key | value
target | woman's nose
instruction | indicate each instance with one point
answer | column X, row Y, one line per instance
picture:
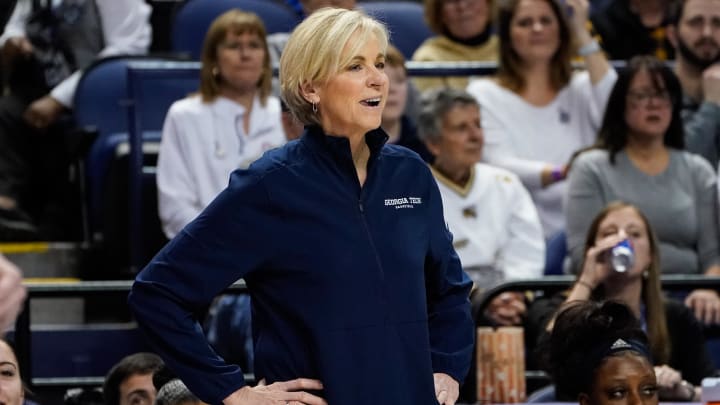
column 377, row 78
column 622, row 234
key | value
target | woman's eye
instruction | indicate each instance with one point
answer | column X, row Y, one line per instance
column 650, row 390
column 7, row 373
column 354, row 67
column 380, row 65
column 616, row 394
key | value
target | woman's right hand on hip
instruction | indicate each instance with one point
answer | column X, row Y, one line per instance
column 278, row 393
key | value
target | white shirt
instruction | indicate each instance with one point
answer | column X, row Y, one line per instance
column 524, row 138
column 126, row 30
column 494, row 224
column 202, row 143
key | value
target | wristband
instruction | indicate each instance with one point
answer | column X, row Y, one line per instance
column 586, row 285
column 589, row 48
column 557, row 173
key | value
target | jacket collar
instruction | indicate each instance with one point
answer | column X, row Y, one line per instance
column 339, row 146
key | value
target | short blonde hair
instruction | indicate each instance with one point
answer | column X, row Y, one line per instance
column 238, row 22
column 314, row 53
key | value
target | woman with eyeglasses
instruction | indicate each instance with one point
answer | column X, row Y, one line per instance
column 640, row 159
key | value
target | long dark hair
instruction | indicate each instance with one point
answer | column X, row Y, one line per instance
column 581, row 327
column 613, row 133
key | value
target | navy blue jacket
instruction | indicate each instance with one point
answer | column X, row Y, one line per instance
column 357, row 287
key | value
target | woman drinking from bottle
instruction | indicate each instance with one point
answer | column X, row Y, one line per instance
column 676, row 338
column 640, row 159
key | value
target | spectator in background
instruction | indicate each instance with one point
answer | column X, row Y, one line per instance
column 634, row 27
column 400, row 129
column 536, row 113
column 496, row 229
column 174, row 392
column 45, row 47
column 12, row 389
column 639, row 159
column 207, row 136
column 130, row 381
column 599, row 355
column 229, row 124
column 676, row 337
column 464, row 33
column 277, row 41
column 12, row 293
column 695, row 34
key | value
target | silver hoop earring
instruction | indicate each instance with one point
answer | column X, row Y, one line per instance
column 215, row 71
column 646, row 274
column 314, row 107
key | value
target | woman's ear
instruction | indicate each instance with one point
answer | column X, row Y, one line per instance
column 310, row 92
column 432, row 146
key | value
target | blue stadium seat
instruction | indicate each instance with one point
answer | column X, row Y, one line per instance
column 404, row 19
column 194, row 18
column 103, row 103
column 100, row 106
column 555, row 253
column 153, row 87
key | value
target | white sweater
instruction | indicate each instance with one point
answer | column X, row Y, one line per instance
column 524, row 138
column 494, row 224
column 202, row 143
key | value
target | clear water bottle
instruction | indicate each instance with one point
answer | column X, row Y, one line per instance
column 622, row 256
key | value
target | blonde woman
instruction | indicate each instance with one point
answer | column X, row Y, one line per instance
column 358, row 296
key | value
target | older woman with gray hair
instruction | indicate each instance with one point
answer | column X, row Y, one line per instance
column 497, row 231
column 358, row 295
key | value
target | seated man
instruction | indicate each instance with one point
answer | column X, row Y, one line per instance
column 496, row 229
column 45, row 46
column 130, row 381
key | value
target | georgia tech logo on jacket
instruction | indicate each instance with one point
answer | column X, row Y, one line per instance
column 403, row 202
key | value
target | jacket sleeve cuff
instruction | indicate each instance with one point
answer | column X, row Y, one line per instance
column 455, row 365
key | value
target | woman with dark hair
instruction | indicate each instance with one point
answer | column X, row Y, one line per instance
column 12, row 390
column 676, row 338
column 639, row 159
column 560, row 111
column 598, row 354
